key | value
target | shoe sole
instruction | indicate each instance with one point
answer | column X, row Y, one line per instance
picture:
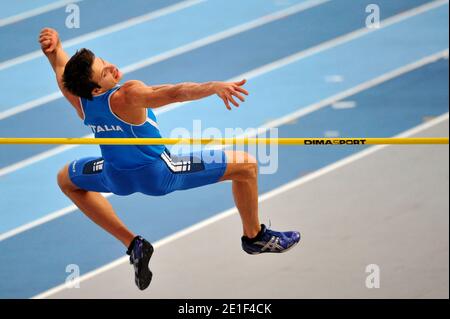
column 144, row 277
column 275, row 252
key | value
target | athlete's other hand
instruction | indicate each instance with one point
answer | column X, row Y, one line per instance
column 228, row 90
column 49, row 40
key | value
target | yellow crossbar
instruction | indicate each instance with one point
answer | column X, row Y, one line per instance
column 226, row 141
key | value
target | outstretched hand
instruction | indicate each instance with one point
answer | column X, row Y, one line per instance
column 228, row 90
column 49, row 40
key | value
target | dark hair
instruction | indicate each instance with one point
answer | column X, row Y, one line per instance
column 78, row 72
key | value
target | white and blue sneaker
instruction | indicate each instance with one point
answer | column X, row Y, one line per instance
column 270, row 241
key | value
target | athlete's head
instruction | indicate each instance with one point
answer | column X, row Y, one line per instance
column 86, row 75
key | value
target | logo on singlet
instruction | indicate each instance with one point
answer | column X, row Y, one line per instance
column 105, row 128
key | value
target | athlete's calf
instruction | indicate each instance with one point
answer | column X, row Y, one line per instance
column 242, row 170
column 95, row 206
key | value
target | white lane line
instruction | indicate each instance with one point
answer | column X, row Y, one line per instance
column 342, row 39
column 174, row 52
column 36, row 12
column 36, row 158
column 331, row 133
column 262, row 198
column 225, row 34
column 235, row 30
column 43, row 220
column 101, row 32
column 303, row 111
column 30, row 105
column 323, row 47
column 337, row 78
column 341, row 105
column 277, row 64
column 264, row 128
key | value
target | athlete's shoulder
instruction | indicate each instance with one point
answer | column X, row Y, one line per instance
column 128, row 88
column 132, row 84
column 130, row 93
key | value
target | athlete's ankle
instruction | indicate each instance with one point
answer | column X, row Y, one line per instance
column 255, row 235
column 129, row 243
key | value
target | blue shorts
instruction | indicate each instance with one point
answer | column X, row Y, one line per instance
column 159, row 177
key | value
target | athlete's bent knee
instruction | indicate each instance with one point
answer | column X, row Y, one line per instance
column 248, row 168
column 64, row 182
column 251, row 166
column 242, row 166
column 253, row 170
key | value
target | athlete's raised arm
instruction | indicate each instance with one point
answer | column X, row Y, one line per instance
column 53, row 50
column 137, row 94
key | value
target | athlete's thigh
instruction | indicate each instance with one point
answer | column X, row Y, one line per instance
column 87, row 173
column 194, row 169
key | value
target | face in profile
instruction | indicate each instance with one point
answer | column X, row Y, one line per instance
column 86, row 75
column 105, row 74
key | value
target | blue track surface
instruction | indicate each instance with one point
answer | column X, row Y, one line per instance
column 13, row 8
column 384, row 110
column 267, row 43
column 94, row 14
column 182, row 33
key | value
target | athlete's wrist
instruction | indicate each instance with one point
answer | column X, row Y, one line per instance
column 216, row 86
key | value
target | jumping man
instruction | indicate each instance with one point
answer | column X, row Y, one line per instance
column 115, row 110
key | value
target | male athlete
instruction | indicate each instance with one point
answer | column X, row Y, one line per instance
column 91, row 85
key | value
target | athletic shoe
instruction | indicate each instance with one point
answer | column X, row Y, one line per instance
column 270, row 241
column 140, row 252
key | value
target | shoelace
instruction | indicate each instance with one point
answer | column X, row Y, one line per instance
column 276, row 233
